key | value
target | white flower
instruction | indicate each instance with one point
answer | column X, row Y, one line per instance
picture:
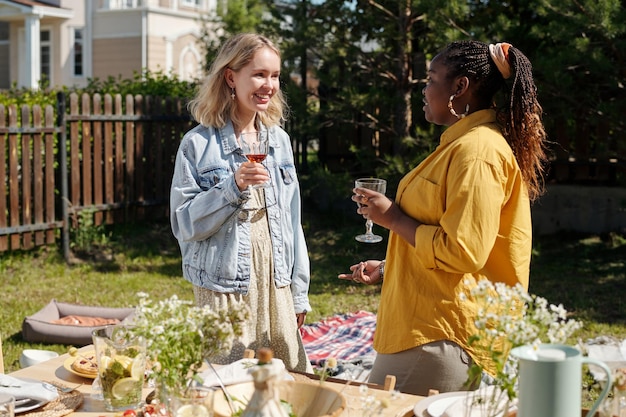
column 180, row 336
column 509, row 317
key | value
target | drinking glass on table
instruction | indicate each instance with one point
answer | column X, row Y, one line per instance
column 197, row 402
column 378, row 185
column 255, row 146
column 7, row 405
column 121, row 357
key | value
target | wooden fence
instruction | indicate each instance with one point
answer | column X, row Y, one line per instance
column 112, row 158
column 111, row 155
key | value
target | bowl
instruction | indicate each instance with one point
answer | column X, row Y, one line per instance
column 30, row 357
column 307, row 399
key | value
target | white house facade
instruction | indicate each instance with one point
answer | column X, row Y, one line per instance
column 69, row 41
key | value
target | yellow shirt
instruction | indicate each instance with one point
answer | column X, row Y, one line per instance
column 473, row 203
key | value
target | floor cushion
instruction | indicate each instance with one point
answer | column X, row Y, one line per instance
column 70, row 324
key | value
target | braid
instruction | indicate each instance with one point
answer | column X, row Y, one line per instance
column 522, row 125
column 471, row 59
column 520, row 118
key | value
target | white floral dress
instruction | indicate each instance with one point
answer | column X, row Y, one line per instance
column 272, row 321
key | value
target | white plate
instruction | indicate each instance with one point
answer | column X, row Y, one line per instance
column 435, row 405
column 30, row 406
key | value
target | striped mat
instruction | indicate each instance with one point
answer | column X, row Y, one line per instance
column 345, row 337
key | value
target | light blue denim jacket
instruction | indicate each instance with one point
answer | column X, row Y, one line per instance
column 210, row 220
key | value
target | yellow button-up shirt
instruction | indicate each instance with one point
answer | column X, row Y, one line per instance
column 473, row 203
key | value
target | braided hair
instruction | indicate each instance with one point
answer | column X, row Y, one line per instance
column 520, row 116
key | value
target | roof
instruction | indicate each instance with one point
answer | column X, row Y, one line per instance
column 35, row 3
column 19, row 9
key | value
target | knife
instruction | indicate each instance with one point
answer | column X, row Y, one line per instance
column 19, row 402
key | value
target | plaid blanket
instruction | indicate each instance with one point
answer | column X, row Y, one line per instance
column 345, row 337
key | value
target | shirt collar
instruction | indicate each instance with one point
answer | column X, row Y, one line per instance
column 467, row 123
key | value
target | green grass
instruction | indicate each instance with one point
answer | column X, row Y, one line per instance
column 587, row 274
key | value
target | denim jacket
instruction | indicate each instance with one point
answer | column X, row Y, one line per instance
column 210, row 220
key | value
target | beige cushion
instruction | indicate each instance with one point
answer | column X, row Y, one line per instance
column 40, row 327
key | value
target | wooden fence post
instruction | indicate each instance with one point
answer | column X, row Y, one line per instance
column 65, row 197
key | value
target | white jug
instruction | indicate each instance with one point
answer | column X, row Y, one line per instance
column 550, row 381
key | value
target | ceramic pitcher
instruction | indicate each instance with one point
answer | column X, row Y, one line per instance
column 550, row 381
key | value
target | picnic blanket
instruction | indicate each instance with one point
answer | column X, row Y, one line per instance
column 347, row 338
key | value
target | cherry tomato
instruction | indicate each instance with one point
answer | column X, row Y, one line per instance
column 130, row 413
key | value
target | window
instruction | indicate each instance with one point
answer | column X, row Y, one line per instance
column 120, row 4
column 77, row 52
column 194, row 3
column 46, row 55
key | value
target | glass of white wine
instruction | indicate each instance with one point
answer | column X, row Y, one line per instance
column 378, row 185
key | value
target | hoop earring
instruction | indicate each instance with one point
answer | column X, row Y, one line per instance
column 454, row 113
column 232, row 93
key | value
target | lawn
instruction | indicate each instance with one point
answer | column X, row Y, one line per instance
column 587, row 274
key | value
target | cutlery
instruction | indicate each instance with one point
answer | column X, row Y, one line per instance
column 64, row 389
column 23, row 401
column 226, row 393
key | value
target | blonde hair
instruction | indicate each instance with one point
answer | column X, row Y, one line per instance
column 213, row 105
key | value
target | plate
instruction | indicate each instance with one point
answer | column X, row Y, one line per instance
column 31, row 405
column 67, row 364
column 435, row 405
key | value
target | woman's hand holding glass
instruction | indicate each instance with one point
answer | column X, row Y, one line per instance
column 255, row 146
column 369, row 194
column 251, row 174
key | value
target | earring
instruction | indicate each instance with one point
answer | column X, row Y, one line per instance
column 454, row 113
column 232, row 93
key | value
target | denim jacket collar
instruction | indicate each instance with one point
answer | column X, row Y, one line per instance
column 229, row 141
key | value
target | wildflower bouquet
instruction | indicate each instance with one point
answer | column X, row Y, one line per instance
column 509, row 317
column 180, row 336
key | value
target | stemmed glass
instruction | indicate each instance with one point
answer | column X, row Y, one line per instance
column 255, row 146
column 378, row 185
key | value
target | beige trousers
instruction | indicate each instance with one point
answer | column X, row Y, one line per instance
column 440, row 365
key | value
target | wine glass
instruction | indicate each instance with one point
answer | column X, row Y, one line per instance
column 255, row 146
column 375, row 184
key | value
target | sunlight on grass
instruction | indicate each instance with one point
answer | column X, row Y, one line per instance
column 586, row 274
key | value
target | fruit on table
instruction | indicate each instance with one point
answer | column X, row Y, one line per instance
column 122, row 377
column 123, row 387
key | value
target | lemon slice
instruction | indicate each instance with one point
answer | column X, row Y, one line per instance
column 124, row 386
column 124, row 360
column 105, row 363
column 192, row 410
column 137, row 367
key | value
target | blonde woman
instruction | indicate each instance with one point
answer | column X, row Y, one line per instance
column 243, row 244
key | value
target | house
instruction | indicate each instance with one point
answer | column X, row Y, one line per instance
column 70, row 41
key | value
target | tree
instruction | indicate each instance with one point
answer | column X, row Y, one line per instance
column 353, row 69
column 234, row 16
column 577, row 50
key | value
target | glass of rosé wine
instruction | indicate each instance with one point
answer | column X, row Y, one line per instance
column 255, row 146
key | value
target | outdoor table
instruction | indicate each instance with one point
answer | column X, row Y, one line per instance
column 54, row 372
